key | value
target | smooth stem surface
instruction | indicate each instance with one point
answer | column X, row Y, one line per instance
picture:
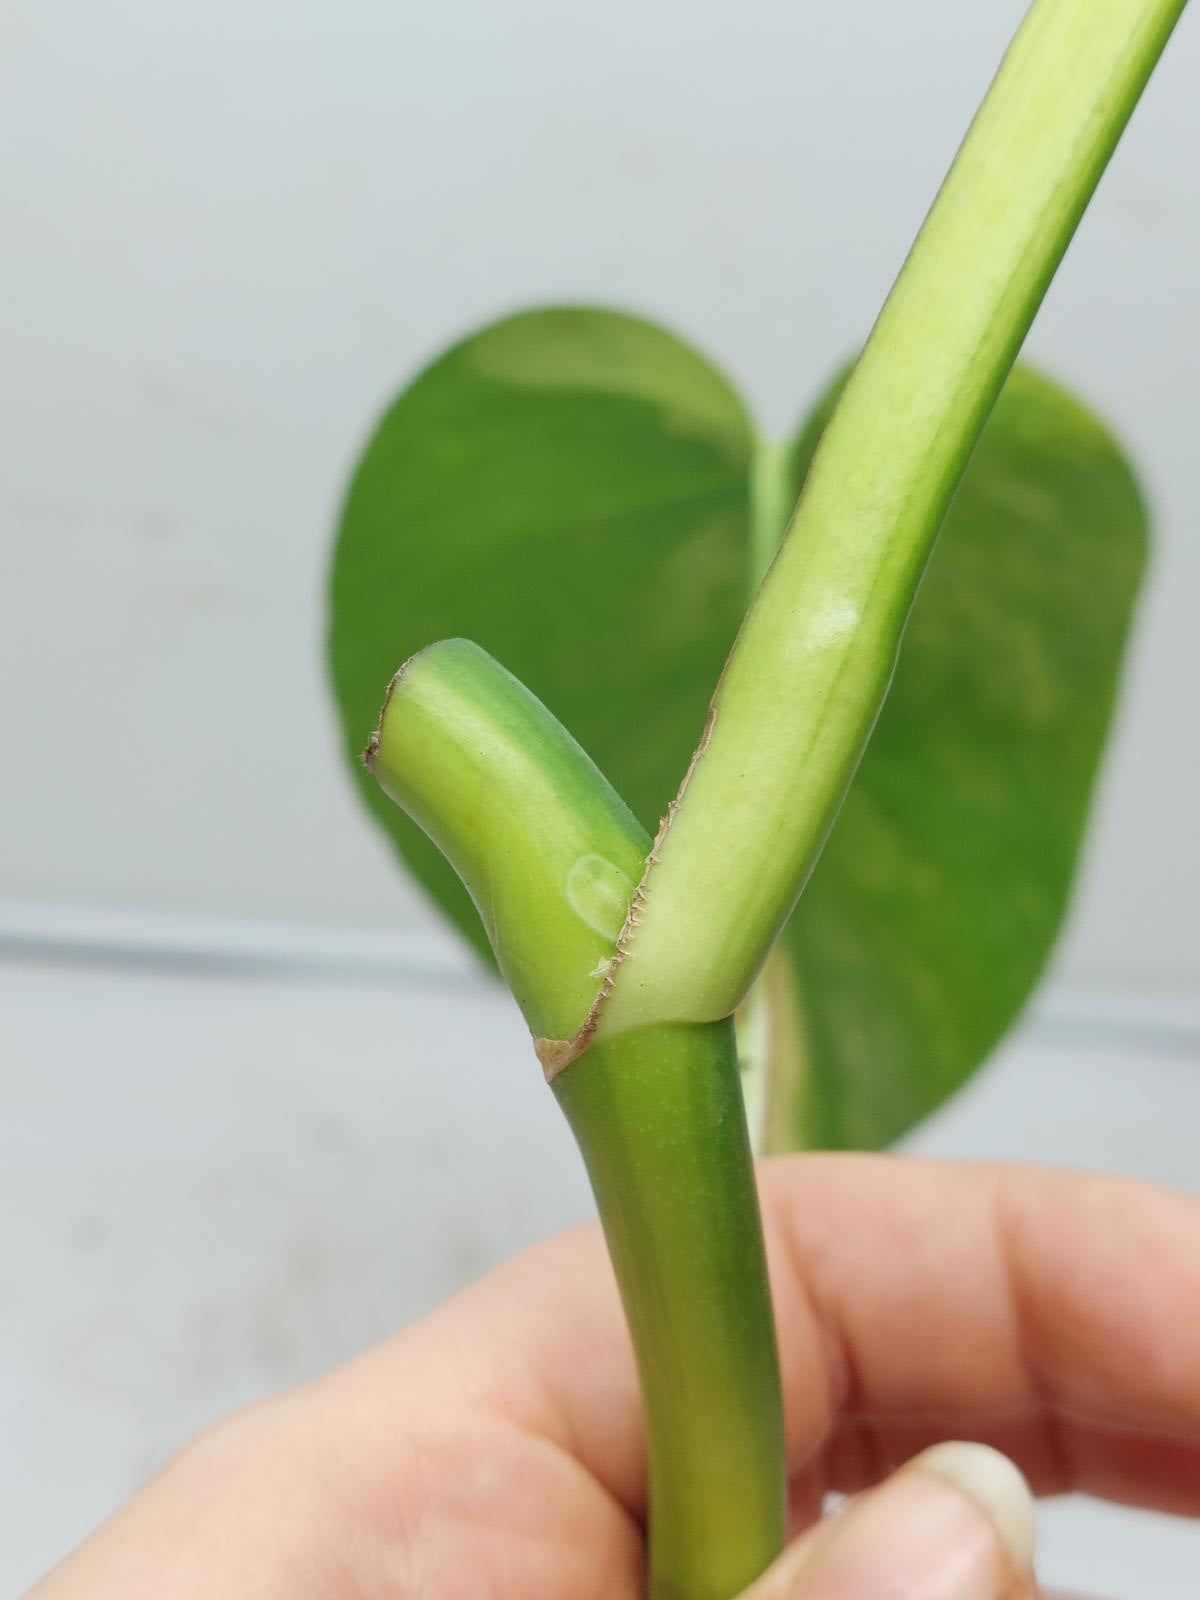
column 658, row 1117
column 812, row 663
column 545, row 846
column 551, row 855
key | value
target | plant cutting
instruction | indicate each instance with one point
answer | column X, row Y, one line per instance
column 580, row 496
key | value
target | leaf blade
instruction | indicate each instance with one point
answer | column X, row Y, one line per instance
column 569, row 488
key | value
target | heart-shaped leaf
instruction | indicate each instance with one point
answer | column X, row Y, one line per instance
column 572, row 490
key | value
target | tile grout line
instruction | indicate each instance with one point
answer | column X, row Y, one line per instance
column 137, row 939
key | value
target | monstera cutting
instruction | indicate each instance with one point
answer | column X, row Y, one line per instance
column 808, row 857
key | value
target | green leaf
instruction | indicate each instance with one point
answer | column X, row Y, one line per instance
column 569, row 489
column 941, row 890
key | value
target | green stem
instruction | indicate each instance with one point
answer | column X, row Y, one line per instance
column 770, row 502
column 812, row 663
column 770, row 505
column 546, row 847
column 645, row 1068
column 658, row 1116
column 551, row 855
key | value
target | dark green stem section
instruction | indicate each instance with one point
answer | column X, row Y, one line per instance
column 658, row 1116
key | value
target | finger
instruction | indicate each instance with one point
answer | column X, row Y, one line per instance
column 955, row 1523
column 1043, row 1312
column 1047, row 1313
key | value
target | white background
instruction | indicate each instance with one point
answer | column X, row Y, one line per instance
column 230, row 231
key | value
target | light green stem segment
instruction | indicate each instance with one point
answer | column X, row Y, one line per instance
column 551, row 856
column 658, row 1116
column 546, row 847
column 812, row 664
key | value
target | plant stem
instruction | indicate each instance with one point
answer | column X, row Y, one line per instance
column 812, row 663
column 546, row 847
column 658, row 1117
column 758, row 1019
column 770, row 503
column 551, row 855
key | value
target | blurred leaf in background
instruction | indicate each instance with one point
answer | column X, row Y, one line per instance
column 569, row 490
column 573, row 489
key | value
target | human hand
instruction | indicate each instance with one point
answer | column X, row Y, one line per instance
column 494, row 1451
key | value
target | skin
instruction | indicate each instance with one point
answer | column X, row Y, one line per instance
column 492, row 1451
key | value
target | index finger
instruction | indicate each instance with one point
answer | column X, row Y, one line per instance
column 1049, row 1314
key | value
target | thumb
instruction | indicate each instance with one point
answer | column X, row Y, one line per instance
column 955, row 1523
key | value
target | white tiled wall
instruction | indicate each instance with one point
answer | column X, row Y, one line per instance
column 232, row 229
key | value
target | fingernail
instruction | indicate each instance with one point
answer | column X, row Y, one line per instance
column 955, row 1523
column 998, row 1486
